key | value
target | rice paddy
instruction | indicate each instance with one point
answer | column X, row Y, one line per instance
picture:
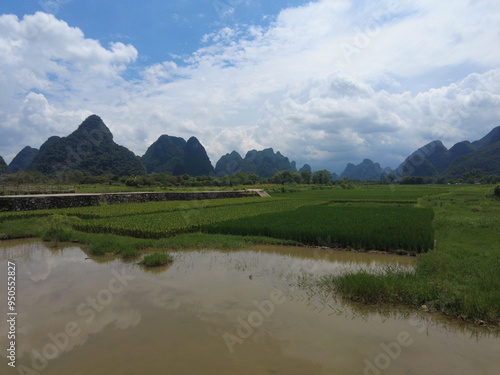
column 453, row 229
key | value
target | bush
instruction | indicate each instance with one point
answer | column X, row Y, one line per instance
column 156, row 260
column 496, row 192
column 131, row 182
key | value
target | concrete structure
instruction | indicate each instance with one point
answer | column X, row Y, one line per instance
column 51, row 201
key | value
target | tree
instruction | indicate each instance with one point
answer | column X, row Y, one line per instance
column 412, row 180
column 471, row 176
column 322, row 177
column 496, row 192
column 286, row 177
column 346, row 183
column 306, row 176
column 391, row 178
column 254, row 178
column 131, row 182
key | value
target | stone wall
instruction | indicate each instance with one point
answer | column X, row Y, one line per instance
column 41, row 202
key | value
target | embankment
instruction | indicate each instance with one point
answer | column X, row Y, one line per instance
column 51, row 201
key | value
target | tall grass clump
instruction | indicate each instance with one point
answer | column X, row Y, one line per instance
column 58, row 228
column 460, row 277
column 389, row 286
column 156, row 260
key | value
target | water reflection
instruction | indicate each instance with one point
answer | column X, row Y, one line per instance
column 222, row 312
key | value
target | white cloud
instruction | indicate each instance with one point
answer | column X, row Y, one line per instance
column 417, row 71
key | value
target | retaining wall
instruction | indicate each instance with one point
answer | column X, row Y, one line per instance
column 41, row 202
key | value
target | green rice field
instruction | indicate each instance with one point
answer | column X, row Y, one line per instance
column 453, row 230
column 362, row 227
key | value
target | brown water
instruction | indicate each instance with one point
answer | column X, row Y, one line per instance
column 215, row 312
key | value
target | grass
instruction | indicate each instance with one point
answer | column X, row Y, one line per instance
column 388, row 286
column 362, row 227
column 461, row 278
column 100, row 244
column 156, row 260
column 400, row 194
column 173, row 222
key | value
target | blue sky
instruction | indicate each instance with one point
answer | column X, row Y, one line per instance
column 157, row 29
column 325, row 82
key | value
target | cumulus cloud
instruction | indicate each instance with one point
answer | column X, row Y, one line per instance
column 326, row 83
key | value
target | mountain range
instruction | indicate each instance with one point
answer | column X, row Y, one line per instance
column 22, row 160
column 264, row 163
column 175, row 155
column 4, row 168
column 367, row 170
column 435, row 160
column 91, row 150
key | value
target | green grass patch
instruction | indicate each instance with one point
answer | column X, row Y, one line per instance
column 389, row 286
column 388, row 228
column 380, row 193
column 129, row 247
column 200, row 240
column 167, row 224
column 460, row 278
column 30, row 227
column 156, row 260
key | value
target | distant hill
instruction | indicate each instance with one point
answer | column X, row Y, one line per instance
column 489, row 139
column 427, row 161
column 264, row 163
column 89, row 149
column 4, row 168
column 434, row 159
column 305, row 167
column 486, row 160
column 23, row 159
column 175, row 155
column 366, row 170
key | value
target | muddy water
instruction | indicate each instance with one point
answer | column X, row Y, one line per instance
column 213, row 312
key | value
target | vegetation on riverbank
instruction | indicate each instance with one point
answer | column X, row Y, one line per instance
column 156, row 260
column 460, row 277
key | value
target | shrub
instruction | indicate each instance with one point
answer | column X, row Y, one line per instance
column 131, row 182
column 496, row 192
column 156, row 260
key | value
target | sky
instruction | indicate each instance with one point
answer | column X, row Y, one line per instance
column 324, row 82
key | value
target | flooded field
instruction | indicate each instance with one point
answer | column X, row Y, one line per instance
column 219, row 312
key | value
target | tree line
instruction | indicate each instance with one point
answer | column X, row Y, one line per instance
column 167, row 180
